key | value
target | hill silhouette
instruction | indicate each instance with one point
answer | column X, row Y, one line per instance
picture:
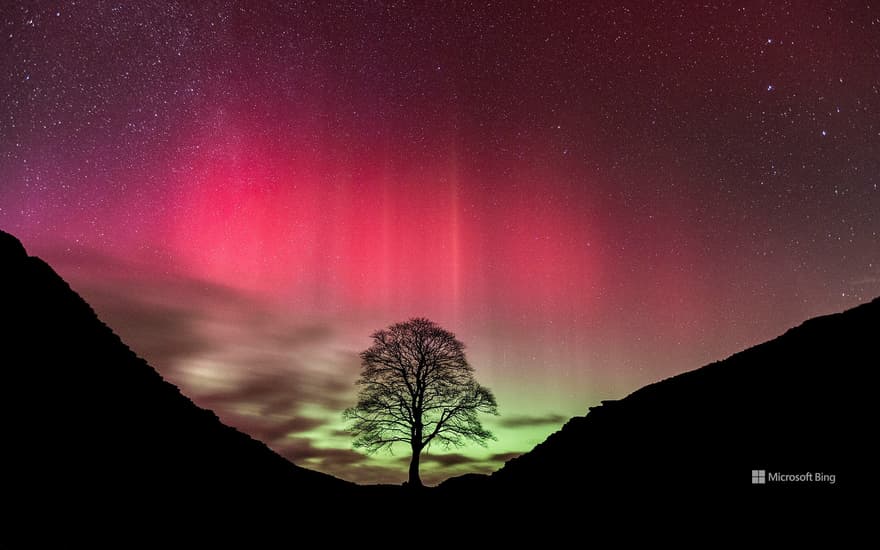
column 92, row 431
column 789, row 405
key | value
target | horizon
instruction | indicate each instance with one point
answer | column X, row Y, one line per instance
column 592, row 198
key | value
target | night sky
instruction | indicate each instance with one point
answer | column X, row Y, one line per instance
column 592, row 195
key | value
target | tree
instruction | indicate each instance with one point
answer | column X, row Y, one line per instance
column 417, row 388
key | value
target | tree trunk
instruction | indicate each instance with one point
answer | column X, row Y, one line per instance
column 414, row 479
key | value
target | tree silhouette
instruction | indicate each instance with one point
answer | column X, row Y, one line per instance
column 417, row 388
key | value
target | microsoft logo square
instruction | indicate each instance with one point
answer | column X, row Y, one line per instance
column 759, row 477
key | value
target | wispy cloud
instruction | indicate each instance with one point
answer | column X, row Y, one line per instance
column 450, row 459
column 525, row 421
column 280, row 379
column 503, row 457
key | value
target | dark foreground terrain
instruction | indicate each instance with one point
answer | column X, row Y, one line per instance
column 84, row 416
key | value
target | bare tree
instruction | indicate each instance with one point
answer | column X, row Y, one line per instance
column 417, row 388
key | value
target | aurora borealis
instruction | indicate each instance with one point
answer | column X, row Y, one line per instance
column 592, row 196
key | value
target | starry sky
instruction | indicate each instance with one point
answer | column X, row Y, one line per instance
column 592, row 195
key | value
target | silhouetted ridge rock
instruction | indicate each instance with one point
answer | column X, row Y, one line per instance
column 11, row 248
column 794, row 404
column 90, row 428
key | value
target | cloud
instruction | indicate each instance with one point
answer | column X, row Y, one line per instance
column 304, row 452
column 304, row 335
column 525, row 421
column 451, row 459
column 272, row 393
column 264, row 372
column 503, row 457
column 281, row 379
column 275, row 432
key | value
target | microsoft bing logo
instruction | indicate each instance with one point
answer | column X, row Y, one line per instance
column 759, row 477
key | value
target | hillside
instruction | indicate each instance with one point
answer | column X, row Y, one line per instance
column 92, row 430
column 791, row 405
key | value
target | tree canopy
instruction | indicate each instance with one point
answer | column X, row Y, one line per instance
column 417, row 388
